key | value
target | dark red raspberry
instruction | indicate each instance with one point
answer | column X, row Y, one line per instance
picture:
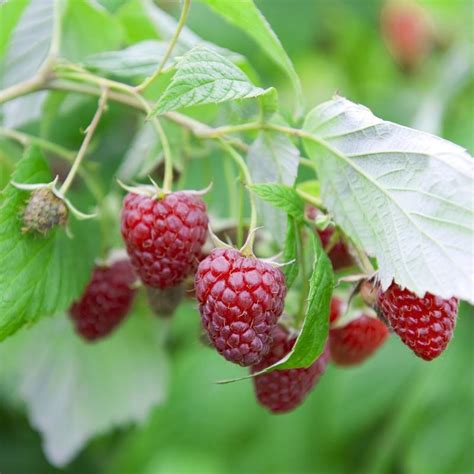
column 283, row 390
column 335, row 309
column 358, row 340
column 339, row 253
column 105, row 301
column 426, row 324
column 240, row 300
column 164, row 237
column 43, row 212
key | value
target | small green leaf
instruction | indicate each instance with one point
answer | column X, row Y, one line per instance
column 282, row 197
column 290, row 252
column 39, row 276
column 246, row 16
column 204, row 76
column 314, row 333
column 271, row 158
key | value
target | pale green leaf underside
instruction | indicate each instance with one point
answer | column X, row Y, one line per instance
column 140, row 59
column 75, row 390
column 39, row 276
column 405, row 195
column 272, row 158
column 246, row 16
column 281, row 197
column 205, row 77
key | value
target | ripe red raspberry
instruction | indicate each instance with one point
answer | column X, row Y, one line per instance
column 425, row 324
column 164, row 236
column 335, row 309
column 358, row 340
column 339, row 253
column 240, row 300
column 283, row 390
column 105, row 301
column 43, row 212
column 408, row 33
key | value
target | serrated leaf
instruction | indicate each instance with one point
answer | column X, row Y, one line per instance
column 138, row 60
column 314, row 333
column 39, row 276
column 246, row 16
column 282, row 197
column 75, row 390
column 272, row 157
column 406, row 196
column 205, row 77
column 290, row 252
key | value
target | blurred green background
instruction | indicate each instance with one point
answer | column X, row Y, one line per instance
column 395, row 414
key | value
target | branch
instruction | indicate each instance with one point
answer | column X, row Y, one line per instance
column 85, row 144
column 169, row 50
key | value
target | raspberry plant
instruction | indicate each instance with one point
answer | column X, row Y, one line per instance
column 343, row 199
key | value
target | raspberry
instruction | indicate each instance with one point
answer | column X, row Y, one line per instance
column 283, row 390
column 164, row 302
column 358, row 340
column 339, row 253
column 425, row 324
column 164, row 237
column 335, row 309
column 105, row 301
column 240, row 300
column 44, row 211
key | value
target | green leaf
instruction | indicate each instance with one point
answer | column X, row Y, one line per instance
column 39, row 276
column 290, row 251
column 74, row 390
column 138, row 60
column 87, row 29
column 204, row 76
column 404, row 195
column 246, row 16
column 10, row 13
column 28, row 49
column 282, row 197
column 314, row 333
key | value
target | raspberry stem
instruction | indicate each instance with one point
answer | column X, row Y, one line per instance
column 85, row 144
column 247, row 249
column 182, row 20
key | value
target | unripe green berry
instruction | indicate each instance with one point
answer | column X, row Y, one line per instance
column 43, row 212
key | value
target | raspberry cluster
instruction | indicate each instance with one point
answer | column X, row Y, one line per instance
column 240, row 300
column 105, row 301
column 283, row 390
column 164, row 236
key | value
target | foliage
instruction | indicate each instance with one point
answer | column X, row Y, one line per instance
column 218, row 99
